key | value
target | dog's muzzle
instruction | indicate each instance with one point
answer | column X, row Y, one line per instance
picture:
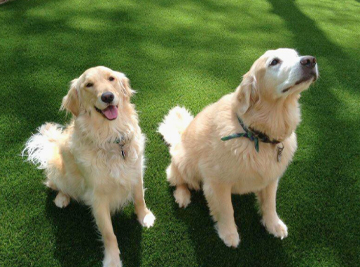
column 309, row 71
column 111, row 111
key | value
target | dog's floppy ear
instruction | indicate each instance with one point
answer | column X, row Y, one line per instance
column 71, row 101
column 246, row 93
column 125, row 88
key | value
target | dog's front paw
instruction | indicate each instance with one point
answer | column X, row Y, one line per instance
column 230, row 237
column 112, row 261
column 147, row 219
column 276, row 227
column 231, row 240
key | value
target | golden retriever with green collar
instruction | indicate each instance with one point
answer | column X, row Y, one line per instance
column 98, row 158
column 243, row 143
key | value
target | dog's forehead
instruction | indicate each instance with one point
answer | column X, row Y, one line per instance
column 97, row 73
column 281, row 53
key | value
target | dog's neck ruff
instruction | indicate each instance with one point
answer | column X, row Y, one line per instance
column 252, row 134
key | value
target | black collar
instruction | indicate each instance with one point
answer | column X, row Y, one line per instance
column 262, row 136
column 252, row 134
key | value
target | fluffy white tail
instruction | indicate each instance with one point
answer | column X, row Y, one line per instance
column 42, row 147
column 174, row 124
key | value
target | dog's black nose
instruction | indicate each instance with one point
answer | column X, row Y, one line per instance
column 107, row 97
column 308, row 61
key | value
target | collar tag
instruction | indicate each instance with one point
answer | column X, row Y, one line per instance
column 121, row 142
column 279, row 151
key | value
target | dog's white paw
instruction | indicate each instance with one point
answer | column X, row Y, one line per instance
column 116, row 263
column 112, row 261
column 276, row 227
column 231, row 238
column 148, row 220
column 182, row 196
column 62, row 200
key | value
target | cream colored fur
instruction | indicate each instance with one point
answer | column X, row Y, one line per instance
column 83, row 162
column 200, row 158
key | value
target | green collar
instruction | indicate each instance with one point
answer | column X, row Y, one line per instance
column 252, row 134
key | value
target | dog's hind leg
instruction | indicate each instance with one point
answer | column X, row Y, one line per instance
column 182, row 193
column 62, row 200
column 51, row 185
column 55, row 174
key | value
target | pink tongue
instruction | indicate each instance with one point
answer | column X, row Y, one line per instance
column 110, row 112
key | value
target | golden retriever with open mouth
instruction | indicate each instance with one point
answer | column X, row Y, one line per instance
column 99, row 157
column 243, row 143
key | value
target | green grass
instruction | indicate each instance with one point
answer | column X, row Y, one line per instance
column 189, row 53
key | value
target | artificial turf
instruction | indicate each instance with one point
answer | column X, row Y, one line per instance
column 188, row 53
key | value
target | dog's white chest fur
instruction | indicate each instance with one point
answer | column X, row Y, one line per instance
column 103, row 171
column 255, row 170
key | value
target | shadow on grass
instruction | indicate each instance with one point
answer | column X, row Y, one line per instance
column 78, row 243
column 257, row 247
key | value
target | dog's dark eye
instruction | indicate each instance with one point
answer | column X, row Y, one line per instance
column 111, row 78
column 89, row 85
column 274, row 62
